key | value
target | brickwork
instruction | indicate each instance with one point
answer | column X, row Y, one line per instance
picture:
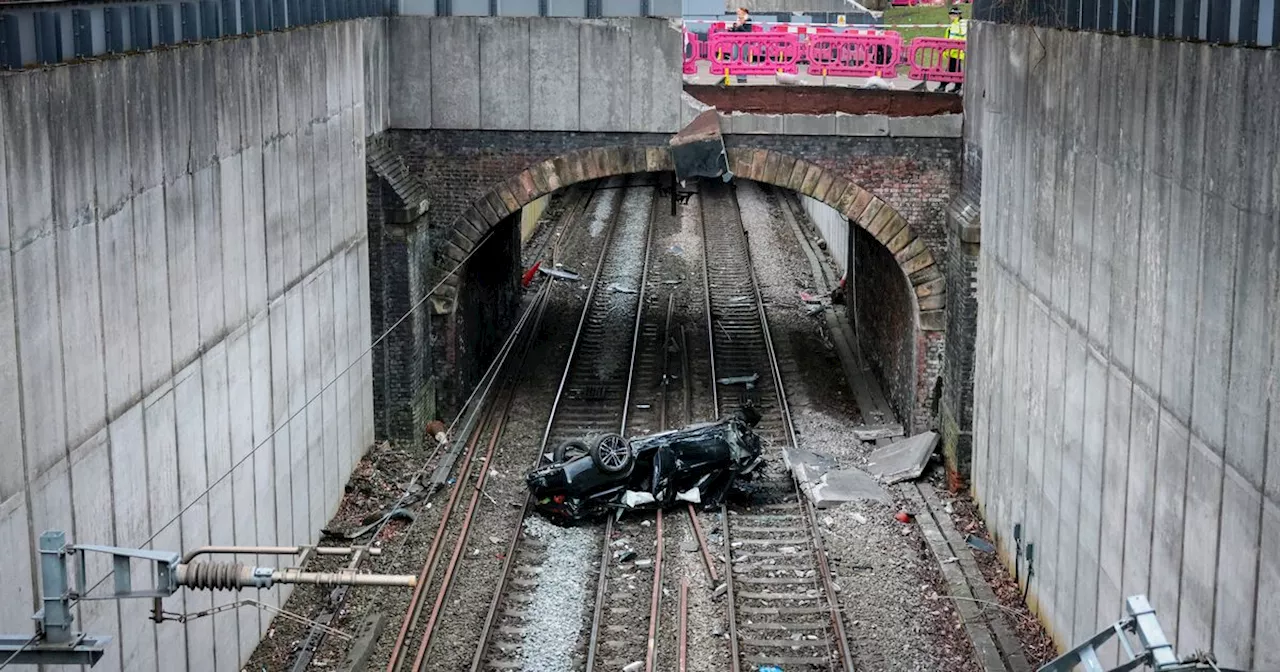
column 399, row 258
column 895, row 189
column 961, row 271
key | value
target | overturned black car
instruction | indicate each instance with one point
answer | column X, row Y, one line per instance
column 697, row 464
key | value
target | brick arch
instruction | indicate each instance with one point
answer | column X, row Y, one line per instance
column 858, row 205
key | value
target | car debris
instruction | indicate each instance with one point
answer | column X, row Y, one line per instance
column 740, row 380
column 557, row 273
column 980, row 544
column 586, row 480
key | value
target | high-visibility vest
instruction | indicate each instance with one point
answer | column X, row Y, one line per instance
column 957, row 30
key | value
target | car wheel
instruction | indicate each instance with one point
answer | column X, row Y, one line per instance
column 571, row 449
column 612, row 454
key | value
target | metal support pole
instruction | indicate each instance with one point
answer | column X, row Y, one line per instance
column 55, row 591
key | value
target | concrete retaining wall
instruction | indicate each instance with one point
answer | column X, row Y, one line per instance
column 1127, row 403
column 833, row 226
column 183, row 270
column 513, row 74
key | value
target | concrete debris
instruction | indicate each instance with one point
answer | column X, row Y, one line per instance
column 634, row 667
column 644, row 563
column 808, row 466
column 689, row 546
column 873, row 432
column 825, row 484
column 615, row 287
column 557, row 273
column 787, row 78
column 904, row 460
column 692, row 495
column 720, row 590
column 845, row 485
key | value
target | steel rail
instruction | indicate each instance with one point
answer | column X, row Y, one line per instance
column 508, row 563
column 411, row 614
column 820, row 556
column 655, row 599
column 537, row 309
column 602, row 583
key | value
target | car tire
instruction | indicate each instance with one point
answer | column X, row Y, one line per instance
column 611, row 454
column 569, row 450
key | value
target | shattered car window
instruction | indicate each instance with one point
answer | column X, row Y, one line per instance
column 592, row 476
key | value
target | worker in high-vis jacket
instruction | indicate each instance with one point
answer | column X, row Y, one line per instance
column 958, row 29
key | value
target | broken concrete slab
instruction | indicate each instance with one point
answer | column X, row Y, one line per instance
column 845, row 485
column 807, row 466
column 826, row 485
column 873, row 432
column 904, row 460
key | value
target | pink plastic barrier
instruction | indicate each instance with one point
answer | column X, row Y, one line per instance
column 929, row 58
column 692, row 53
column 850, row 53
column 854, row 54
column 753, row 53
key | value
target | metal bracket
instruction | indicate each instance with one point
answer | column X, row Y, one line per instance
column 1155, row 653
column 55, row 643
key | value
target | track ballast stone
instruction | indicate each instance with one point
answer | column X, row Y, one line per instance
column 557, row 602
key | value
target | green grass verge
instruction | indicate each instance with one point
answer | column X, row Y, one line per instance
column 921, row 14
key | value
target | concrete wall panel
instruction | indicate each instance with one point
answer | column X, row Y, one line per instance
column 1238, row 570
column 232, row 225
column 72, row 164
column 167, row 237
column 1250, row 360
column 153, row 283
column 656, row 82
column 92, row 497
column 1200, row 552
column 257, row 289
column 1218, row 251
column 119, row 290
column 184, row 294
column 504, row 69
column 554, row 86
column 82, row 356
column 1170, row 509
column 1141, row 492
column 1267, row 596
column 112, row 183
column 12, row 479
column 1162, row 467
column 142, row 120
column 40, row 354
column 307, row 197
column 207, row 202
column 603, row 91
column 17, row 594
column 455, row 64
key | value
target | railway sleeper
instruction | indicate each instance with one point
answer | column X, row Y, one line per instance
column 802, row 643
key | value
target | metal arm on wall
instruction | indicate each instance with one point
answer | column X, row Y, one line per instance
column 55, row 643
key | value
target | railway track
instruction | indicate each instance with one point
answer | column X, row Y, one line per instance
column 592, row 399
column 473, row 469
column 782, row 607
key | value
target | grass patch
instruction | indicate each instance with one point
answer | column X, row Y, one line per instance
column 921, row 14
